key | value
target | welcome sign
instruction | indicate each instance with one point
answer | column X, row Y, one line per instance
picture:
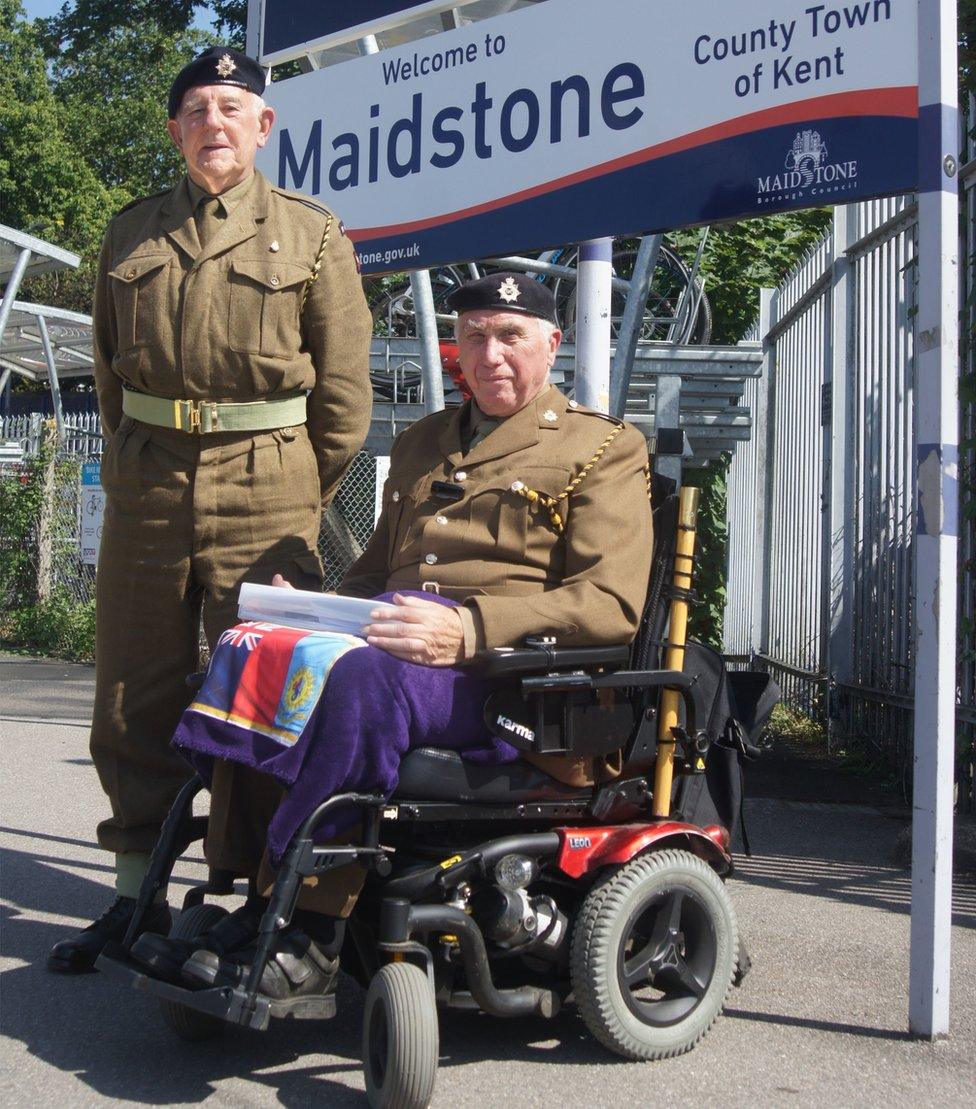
column 572, row 120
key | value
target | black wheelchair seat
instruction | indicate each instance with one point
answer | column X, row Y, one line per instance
column 431, row 774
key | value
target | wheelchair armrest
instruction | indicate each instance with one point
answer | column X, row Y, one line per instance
column 505, row 661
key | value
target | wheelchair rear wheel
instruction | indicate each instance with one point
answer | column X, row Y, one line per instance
column 653, row 955
column 400, row 1038
column 189, row 1024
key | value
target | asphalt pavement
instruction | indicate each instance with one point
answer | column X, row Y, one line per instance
column 821, row 1020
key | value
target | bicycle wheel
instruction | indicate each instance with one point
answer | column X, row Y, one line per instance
column 393, row 309
column 673, row 312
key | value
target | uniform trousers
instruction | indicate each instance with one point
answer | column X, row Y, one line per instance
column 187, row 520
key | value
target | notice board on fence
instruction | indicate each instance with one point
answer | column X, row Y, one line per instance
column 572, row 120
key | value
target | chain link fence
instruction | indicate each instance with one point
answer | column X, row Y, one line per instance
column 44, row 505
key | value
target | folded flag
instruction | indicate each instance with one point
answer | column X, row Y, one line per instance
column 268, row 678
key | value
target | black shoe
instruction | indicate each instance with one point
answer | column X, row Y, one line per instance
column 165, row 957
column 298, row 969
column 78, row 953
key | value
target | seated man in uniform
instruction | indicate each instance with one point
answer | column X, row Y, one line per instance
column 518, row 514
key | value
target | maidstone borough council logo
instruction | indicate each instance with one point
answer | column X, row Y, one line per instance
column 807, row 172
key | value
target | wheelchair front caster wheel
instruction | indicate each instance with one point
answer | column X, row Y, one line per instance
column 189, row 1024
column 653, row 955
column 400, row 1038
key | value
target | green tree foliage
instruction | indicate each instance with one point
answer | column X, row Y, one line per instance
column 81, row 25
column 46, row 187
column 743, row 257
column 230, row 21
column 131, row 68
column 83, row 132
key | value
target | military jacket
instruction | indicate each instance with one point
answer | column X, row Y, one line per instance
column 499, row 553
column 225, row 323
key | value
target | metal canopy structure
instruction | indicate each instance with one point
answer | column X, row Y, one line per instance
column 35, row 339
column 24, row 351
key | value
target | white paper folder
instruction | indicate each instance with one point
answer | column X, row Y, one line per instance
column 300, row 608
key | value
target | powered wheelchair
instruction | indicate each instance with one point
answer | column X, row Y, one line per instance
column 499, row 888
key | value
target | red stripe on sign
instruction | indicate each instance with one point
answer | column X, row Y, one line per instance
column 898, row 101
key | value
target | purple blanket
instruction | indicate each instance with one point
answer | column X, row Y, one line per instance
column 373, row 710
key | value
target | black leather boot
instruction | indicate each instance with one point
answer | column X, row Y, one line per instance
column 164, row 957
column 298, row 969
column 78, row 953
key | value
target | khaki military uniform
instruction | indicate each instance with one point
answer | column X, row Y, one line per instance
column 499, row 553
column 189, row 517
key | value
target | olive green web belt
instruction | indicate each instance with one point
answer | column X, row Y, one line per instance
column 200, row 417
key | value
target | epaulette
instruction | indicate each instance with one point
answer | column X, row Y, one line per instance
column 142, row 200
column 302, row 199
column 574, row 406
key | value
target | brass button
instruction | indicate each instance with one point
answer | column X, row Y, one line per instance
column 430, row 559
column 395, row 496
column 275, row 280
column 517, row 486
column 441, row 519
column 130, row 274
column 574, row 404
column 460, row 475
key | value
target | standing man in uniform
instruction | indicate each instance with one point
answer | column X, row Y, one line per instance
column 231, row 340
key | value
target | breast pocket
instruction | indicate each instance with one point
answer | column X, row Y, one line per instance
column 498, row 522
column 138, row 288
column 265, row 304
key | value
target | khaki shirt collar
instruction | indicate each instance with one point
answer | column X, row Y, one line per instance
column 227, row 200
column 250, row 204
column 517, row 432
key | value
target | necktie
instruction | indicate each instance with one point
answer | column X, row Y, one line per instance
column 482, row 430
column 207, row 219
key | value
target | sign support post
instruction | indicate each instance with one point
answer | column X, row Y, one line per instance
column 936, row 519
column 593, row 324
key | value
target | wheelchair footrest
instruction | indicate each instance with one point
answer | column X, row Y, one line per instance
column 226, row 1003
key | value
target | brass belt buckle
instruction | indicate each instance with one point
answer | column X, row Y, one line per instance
column 196, row 417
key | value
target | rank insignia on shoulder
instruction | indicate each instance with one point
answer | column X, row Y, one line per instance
column 550, row 416
column 274, row 248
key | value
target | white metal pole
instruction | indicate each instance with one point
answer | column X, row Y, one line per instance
column 12, row 287
column 936, row 520
column 838, row 442
column 52, row 370
column 252, row 27
column 593, row 324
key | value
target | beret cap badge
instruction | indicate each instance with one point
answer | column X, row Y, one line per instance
column 508, row 290
column 226, row 65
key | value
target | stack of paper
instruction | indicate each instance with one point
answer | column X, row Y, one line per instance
column 300, row 608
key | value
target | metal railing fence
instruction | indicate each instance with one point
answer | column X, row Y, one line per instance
column 820, row 502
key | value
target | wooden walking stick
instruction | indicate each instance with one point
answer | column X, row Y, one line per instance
column 674, row 658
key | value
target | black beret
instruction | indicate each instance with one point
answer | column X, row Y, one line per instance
column 220, row 65
column 507, row 292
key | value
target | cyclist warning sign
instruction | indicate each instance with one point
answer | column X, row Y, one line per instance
column 92, row 507
column 571, row 120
